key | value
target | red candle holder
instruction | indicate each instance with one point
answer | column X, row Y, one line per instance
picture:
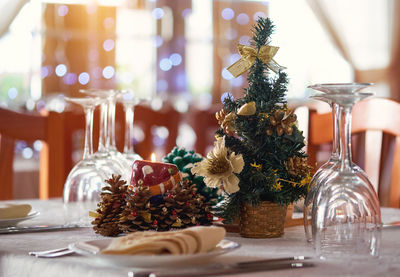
column 159, row 177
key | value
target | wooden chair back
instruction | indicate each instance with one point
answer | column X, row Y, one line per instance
column 204, row 125
column 31, row 127
column 376, row 143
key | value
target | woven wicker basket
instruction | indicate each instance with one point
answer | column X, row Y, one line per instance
column 266, row 220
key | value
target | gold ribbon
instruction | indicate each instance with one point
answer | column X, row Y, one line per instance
column 249, row 55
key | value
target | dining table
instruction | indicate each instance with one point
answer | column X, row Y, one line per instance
column 15, row 261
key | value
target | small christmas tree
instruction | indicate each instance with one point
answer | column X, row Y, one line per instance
column 109, row 208
column 258, row 154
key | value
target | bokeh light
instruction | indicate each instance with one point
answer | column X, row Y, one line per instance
column 234, row 58
column 108, row 45
column 108, row 72
column 246, row 40
column 84, row 78
column 176, row 59
column 40, row 105
column 227, row 14
column 37, row 145
column 27, row 153
column 231, row 34
column 12, row 93
column 158, row 13
column 70, row 78
column 56, row 104
column 61, row 70
column 237, row 82
column 158, row 41
column 62, row 10
column 242, row 19
column 226, row 95
column 44, row 71
column 30, row 104
column 156, row 103
column 186, row 12
column 257, row 15
column 226, row 74
column 165, row 64
column 108, row 22
column 181, row 105
column 138, row 134
column 161, row 132
column 180, row 81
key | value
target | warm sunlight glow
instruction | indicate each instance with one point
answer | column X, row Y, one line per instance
column 153, row 157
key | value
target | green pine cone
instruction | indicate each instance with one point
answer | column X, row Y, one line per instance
column 182, row 158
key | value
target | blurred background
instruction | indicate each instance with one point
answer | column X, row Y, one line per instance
column 175, row 53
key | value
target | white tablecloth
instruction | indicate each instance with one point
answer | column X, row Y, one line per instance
column 14, row 248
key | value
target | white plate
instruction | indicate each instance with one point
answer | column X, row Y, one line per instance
column 93, row 247
column 6, row 222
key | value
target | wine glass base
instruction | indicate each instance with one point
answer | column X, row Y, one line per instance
column 77, row 213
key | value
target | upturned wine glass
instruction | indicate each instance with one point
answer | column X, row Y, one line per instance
column 332, row 166
column 83, row 185
column 346, row 218
column 107, row 154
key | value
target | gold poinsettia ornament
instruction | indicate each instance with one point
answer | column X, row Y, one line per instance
column 219, row 167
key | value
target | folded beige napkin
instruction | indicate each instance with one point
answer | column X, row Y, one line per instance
column 14, row 210
column 187, row 241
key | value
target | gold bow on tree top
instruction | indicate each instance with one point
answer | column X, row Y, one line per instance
column 248, row 57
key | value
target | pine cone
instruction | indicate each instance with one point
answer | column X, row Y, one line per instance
column 283, row 122
column 161, row 218
column 185, row 207
column 137, row 215
column 297, row 166
column 109, row 208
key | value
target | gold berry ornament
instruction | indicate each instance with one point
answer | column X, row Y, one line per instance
column 247, row 109
column 297, row 166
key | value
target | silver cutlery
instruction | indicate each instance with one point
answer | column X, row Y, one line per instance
column 38, row 228
column 236, row 268
column 34, row 253
column 52, row 253
column 56, row 254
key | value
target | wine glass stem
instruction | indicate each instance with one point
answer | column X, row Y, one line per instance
column 345, row 137
column 336, row 133
column 103, row 128
column 111, row 124
column 88, row 149
column 129, row 118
